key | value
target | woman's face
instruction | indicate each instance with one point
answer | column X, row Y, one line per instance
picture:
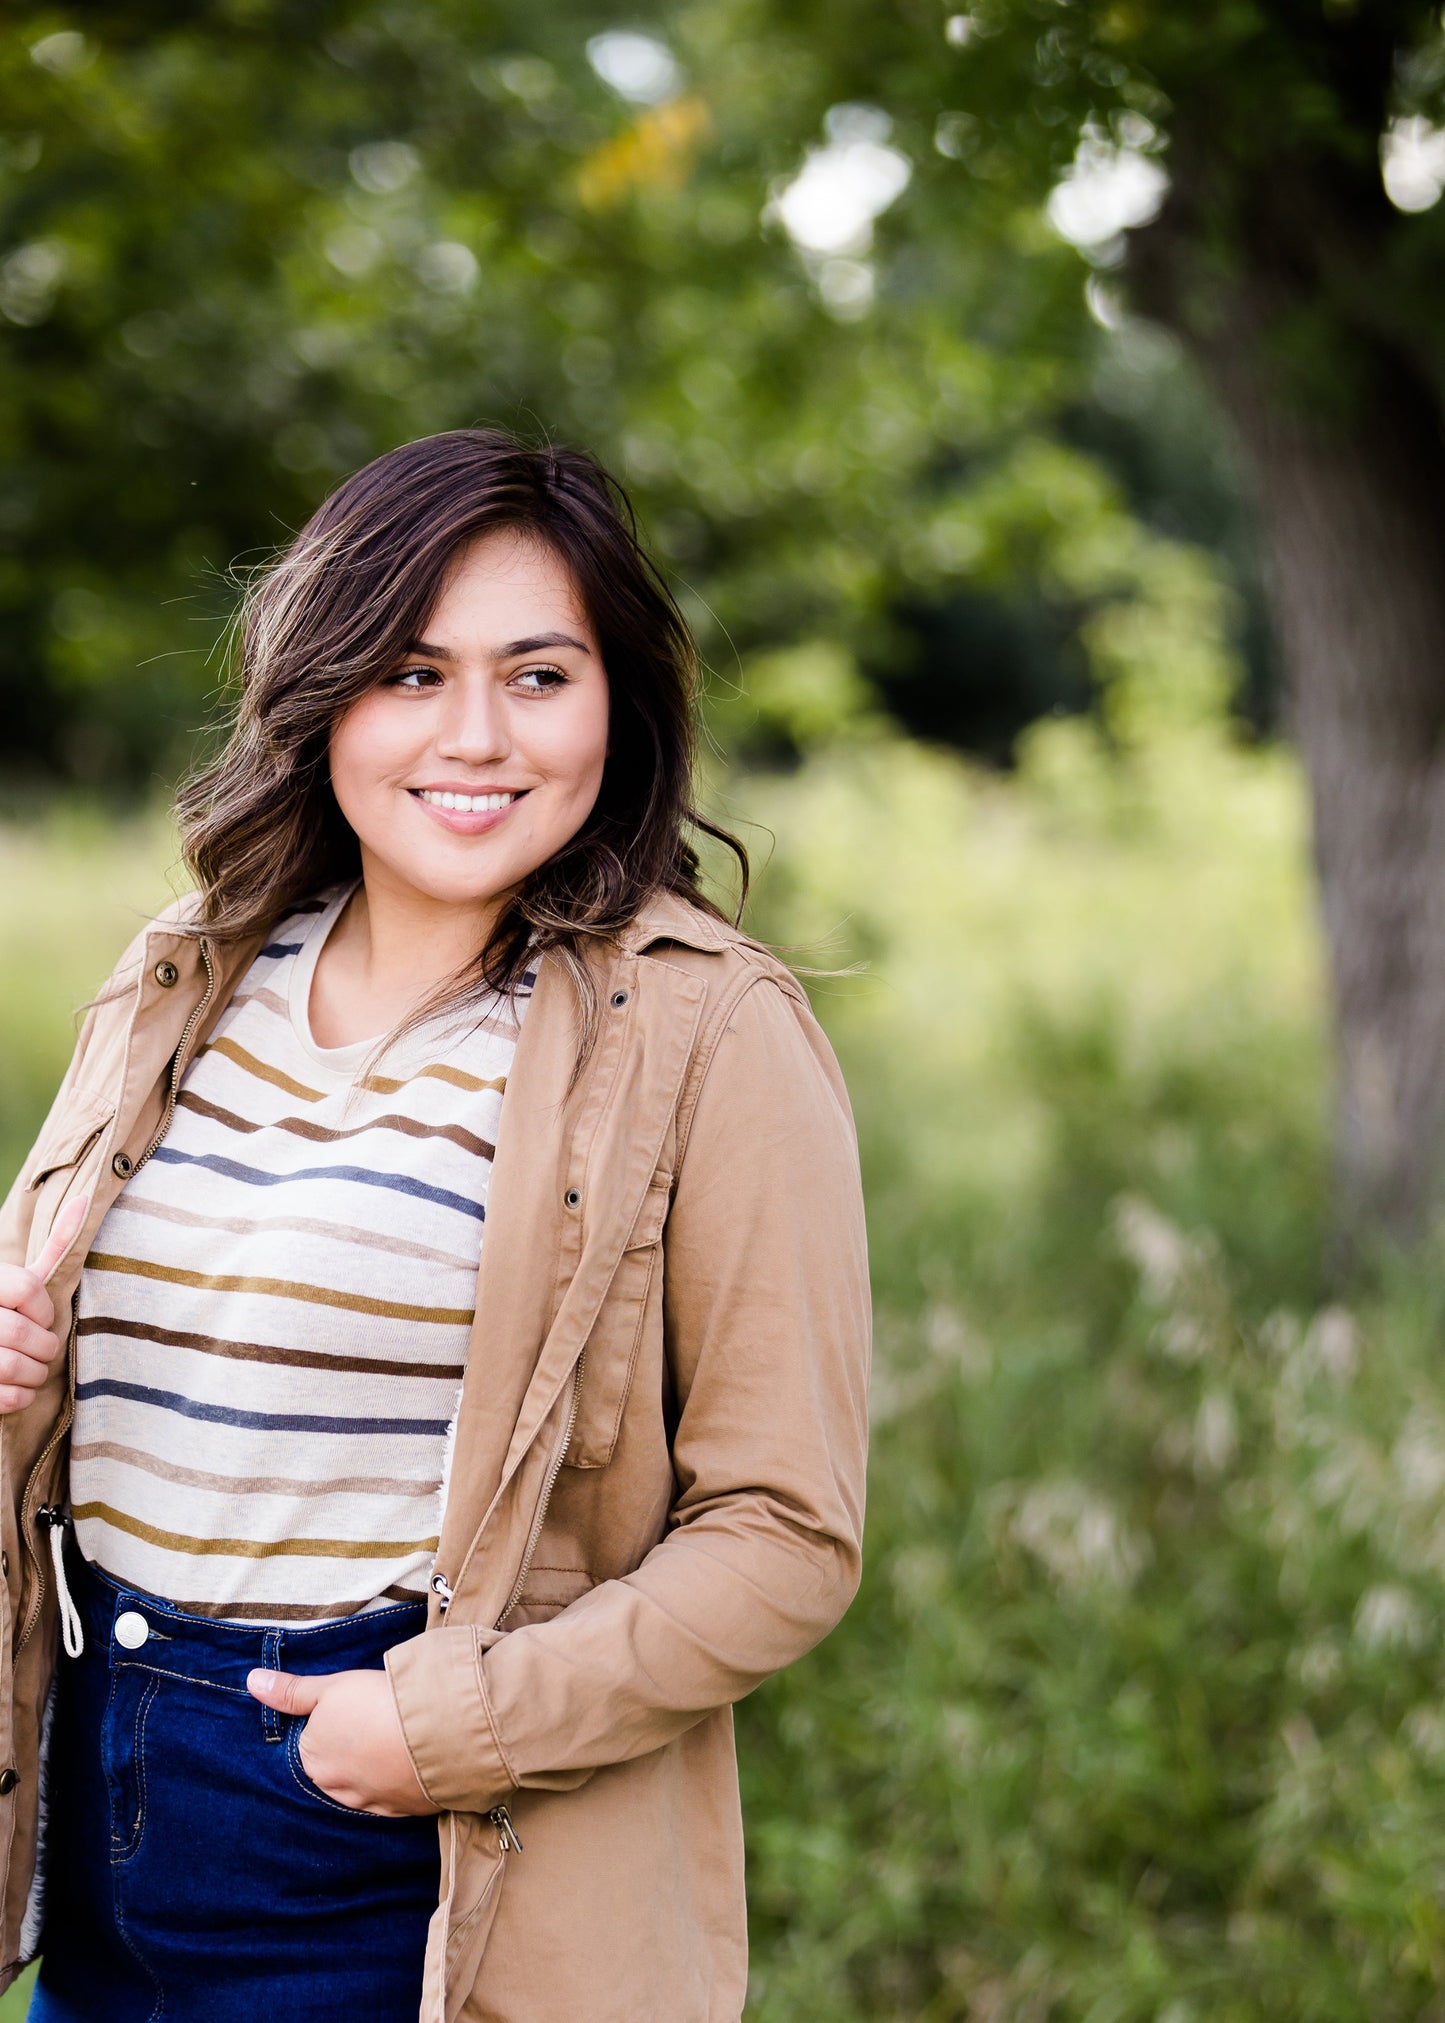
column 502, row 703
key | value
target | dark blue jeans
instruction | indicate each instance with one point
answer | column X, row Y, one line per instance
column 194, row 1873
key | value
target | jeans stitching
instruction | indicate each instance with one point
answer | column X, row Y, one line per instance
column 116, row 1878
column 308, row 1786
column 143, row 1707
column 183, row 1678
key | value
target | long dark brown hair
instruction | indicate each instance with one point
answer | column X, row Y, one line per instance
column 336, row 611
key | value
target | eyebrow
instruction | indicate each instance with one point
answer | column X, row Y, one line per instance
column 518, row 646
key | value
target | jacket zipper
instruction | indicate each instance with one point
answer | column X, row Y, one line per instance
column 499, row 1816
column 178, row 1059
column 28, row 1516
column 553, row 1472
column 507, row 1833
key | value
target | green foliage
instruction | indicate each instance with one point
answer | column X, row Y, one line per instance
column 1136, row 1715
column 243, row 248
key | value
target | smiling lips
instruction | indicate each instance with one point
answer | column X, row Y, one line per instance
column 467, row 814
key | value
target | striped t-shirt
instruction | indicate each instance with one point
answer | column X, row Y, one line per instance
column 274, row 1318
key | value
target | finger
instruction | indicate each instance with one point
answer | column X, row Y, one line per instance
column 22, row 1292
column 58, row 1242
column 19, row 1335
column 285, row 1691
column 22, row 1372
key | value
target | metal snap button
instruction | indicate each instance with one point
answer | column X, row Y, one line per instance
column 619, row 999
column 8, row 1780
column 572, row 1197
column 131, row 1630
column 122, row 1164
column 166, row 973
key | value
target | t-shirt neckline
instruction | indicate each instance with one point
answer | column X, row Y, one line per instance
column 344, row 1059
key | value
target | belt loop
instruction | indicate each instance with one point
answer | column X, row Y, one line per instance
column 271, row 1662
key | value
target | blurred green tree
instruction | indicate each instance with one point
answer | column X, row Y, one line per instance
column 1244, row 145
column 803, row 274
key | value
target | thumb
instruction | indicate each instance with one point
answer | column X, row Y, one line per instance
column 58, row 1242
column 285, row 1691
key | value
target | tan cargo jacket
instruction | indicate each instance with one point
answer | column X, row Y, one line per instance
column 656, row 1493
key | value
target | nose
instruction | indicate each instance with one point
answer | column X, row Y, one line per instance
column 472, row 726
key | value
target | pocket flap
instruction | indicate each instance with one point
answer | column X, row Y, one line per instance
column 652, row 1214
column 70, row 1136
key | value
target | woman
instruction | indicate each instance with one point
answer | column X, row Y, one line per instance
column 433, row 1322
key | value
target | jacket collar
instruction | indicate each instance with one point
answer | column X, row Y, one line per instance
column 669, row 917
column 666, row 916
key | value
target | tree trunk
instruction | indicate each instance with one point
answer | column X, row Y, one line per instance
column 1352, row 504
column 1356, row 525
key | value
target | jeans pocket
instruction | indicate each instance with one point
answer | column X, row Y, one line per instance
column 132, row 1694
column 294, row 1724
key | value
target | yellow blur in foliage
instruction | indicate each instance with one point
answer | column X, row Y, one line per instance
column 656, row 152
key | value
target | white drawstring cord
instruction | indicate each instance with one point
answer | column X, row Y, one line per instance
column 71, row 1632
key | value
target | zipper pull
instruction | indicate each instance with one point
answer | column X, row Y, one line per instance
column 441, row 1586
column 502, row 1820
column 54, row 1519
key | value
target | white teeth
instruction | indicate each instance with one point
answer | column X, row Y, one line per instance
column 468, row 804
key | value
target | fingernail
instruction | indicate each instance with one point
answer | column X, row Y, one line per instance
column 260, row 1682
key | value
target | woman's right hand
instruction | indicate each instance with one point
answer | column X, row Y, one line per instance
column 28, row 1342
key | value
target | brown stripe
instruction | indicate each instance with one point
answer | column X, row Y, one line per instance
column 279, row 1288
column 443, row 1071
column 310, row 1225
column 263, row 1352
column 249, row 1062
column 272, row 999
column 290, row 1612
column 325, row 1134
column 252, row 1548
column 247, row 1485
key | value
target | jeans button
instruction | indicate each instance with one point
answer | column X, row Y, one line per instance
column 131, row 1630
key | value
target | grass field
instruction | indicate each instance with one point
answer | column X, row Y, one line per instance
column 1137, row 1718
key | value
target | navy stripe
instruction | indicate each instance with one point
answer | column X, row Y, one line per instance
column 399, row 1183
column 281, row 948
column 262, row 1422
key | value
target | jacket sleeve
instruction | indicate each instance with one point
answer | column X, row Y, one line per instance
column 768, row 1330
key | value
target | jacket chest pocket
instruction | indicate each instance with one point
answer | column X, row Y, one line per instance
column 59, row 1161
column 610, row 1358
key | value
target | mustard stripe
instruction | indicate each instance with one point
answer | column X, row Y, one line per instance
column 280, row 1288
column 237, row 1053
column 443, row 1072
column 292, row 1612
column 251, row 1548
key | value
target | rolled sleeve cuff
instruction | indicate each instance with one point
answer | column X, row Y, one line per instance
column 436, row 1682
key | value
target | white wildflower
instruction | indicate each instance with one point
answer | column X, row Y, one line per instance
column 1216, row 1434
column 1389, row 1618
column 1423, row 1730
column 1159, row 1252
column 1332, row 1345
column 1076, row 1535
column 1418, row 1457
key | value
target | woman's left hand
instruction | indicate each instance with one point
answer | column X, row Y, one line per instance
column 352, row 1745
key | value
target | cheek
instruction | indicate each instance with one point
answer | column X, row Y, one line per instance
column 367, row 746
column 586, row 752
